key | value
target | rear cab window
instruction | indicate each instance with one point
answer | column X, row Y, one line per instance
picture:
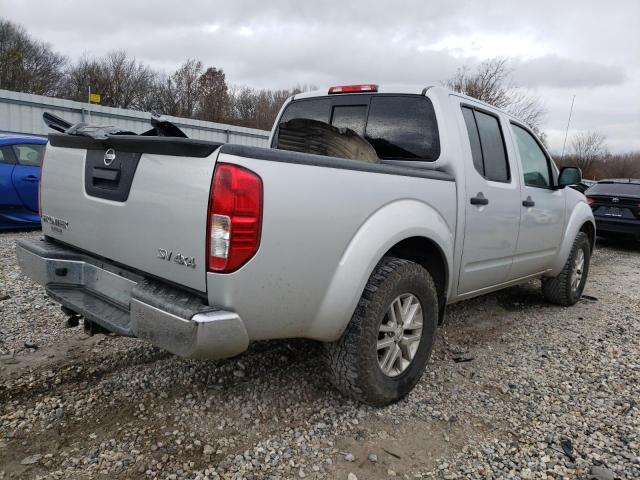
column 361, row 127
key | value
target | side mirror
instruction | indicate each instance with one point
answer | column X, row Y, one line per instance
column 569, row 176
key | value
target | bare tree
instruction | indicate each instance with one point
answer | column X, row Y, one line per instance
column 84, row 74
column 121, row 81
column 242, row 106
column 162, row 97
column 127, row 80
column 622, row 165
column 606, row 165
column 259, row 108
column 588, row 147
column 27, row 65
column 185, row 82
column 268, row 105
column 490, row 83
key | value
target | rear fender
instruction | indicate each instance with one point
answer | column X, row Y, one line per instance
column 381, row 231
column 580, row 215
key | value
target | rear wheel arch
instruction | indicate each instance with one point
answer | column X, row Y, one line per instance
column 426, row 241
column 590, row 230
column 428, row 254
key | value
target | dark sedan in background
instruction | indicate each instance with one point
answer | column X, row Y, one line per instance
column 20, row 160
column 583, row 185
column 616, row 206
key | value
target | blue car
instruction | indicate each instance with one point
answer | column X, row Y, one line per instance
column 20, row 160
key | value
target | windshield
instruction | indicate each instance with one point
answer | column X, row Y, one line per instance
column 361, row 127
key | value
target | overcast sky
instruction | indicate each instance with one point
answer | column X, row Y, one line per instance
column 557, row 48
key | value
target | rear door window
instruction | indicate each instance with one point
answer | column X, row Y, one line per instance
column 388, row 127
column 28, row 154
column 474, row 139
column 7, row 156
column 487, row 145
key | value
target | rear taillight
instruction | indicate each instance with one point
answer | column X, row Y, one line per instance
column 590, row 200
column 44, row 147
column 369, row 87
column 234, row 217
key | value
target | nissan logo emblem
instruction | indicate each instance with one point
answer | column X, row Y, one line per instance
column 615, row 199
column 109, row 156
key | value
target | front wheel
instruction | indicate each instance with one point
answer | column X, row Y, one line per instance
column 566, row 289
column 387, row 344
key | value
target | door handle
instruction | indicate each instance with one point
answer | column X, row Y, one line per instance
column 479, row 199
column 528, row 203
column 30, row 178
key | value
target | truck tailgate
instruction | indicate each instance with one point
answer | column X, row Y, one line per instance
column 129, row 201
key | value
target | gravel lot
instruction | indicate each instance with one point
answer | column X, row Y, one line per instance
column 516, row 389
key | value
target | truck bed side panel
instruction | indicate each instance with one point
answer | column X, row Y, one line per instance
column 311, row 215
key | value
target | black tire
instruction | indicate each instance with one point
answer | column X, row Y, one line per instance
column 352, row 361
column 559, row 289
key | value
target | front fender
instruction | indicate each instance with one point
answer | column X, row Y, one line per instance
column 580, row 214
column 385, row 228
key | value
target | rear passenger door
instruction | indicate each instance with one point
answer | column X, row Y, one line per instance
column 492, row 203
column 8, row 196
column 27, row 173
column 543, row 207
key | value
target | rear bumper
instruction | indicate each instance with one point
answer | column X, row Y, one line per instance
column 617, row 225
column 129, row 304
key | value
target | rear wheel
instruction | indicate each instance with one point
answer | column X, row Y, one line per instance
column 566, row 289
column 386, row 346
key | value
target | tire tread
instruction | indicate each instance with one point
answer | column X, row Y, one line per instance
column 557, row 289
column 345, row 358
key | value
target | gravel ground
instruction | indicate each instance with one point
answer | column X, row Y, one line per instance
column 516, row 389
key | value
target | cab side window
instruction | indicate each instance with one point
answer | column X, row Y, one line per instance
column 487, row 145
column 535, row 164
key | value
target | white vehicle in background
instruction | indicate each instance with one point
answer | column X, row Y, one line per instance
column 372, row 210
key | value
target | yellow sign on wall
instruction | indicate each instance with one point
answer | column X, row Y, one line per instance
column 94, row 98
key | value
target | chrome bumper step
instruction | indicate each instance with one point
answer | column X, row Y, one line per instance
column 129, row 304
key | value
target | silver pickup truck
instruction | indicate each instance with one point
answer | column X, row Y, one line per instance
column 372, row 210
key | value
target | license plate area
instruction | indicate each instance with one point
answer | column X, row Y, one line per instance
column 109, row 173
column 613, row 212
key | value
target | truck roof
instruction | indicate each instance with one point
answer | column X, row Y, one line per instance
column 400, row 89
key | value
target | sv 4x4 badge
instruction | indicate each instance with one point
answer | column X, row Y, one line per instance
column 180, row 259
